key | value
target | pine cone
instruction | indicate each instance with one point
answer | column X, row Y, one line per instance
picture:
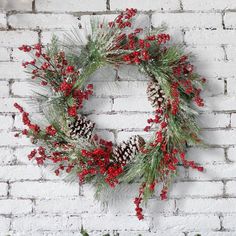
column 81, row 128
column 124, row 152
column 155, row 94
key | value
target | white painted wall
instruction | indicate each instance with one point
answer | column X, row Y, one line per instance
column 35, row 202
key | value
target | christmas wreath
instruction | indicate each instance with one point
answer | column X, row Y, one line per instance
column 68, row 140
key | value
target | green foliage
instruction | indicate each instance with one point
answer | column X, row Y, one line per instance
column 99, row 50
column 83, row 232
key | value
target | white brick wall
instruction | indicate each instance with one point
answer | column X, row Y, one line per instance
column 33, row 201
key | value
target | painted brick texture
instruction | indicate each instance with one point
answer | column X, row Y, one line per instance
column 35, row 202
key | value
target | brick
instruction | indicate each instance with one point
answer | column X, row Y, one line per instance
column 176, row 36
column 4, row 225
column 230, row 52
column 208, row 5
column 121, row 88
column 42, row 21
column 155, row 206
column 140, row 104
column 44, row 189
column 25, row 5
column 20, row 56
column 67, row 206
column 214, row 120
column 130, row 73
column 231, row 187
column 6, row 156
column 105, row 74
column 54, row 233
column 70, row 5
column 220, row 103
column 11, row 70
column 119, row 121
column 206, row 53
column 3, row 21
column 186, row 223
column 229, row 19
column 46, row 36
column 4, row 89
column 7, row 105
column 180, row 20
column 47, row 173
column 6, row 122
column 13, row 173
column 231, row 88
column 210, row 37
column 10, row 206
column 85, row 20
column 231, row 154
column 4, row 54
column 229, row 222
column 233, row 120
column 20, row 153
column 25, row 89
column 214, row 87
column 206, row 155
column 219, row 137
column 193, row 189
column 3, row 191
column 36, row 223
column 7, row 38
column 214, row 172
column 149, row 5
column 206, row 205
column 215, row 68
column 11, row 140
column 223, row 233
column 98, row 105
column 111, row 222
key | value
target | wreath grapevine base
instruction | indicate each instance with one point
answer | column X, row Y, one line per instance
column 68, row 140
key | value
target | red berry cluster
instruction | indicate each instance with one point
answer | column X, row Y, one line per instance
column 98, row 162
column 39, row 155
column 56, row 72
column 50, row 130
column 163, row 193
column 138, row 201
column 25, row 119
column 163, row 38
column 124, row 19
column 131, row 42
column 191, row 164
column 141, row 47
column 183, row 71
column 79, row 96
column 55, row 157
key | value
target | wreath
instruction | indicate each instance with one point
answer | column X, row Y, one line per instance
column 68, row 140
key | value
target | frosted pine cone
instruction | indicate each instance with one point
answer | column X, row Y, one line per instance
column 155, row 94
column 124, row 152
column 81, row 128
